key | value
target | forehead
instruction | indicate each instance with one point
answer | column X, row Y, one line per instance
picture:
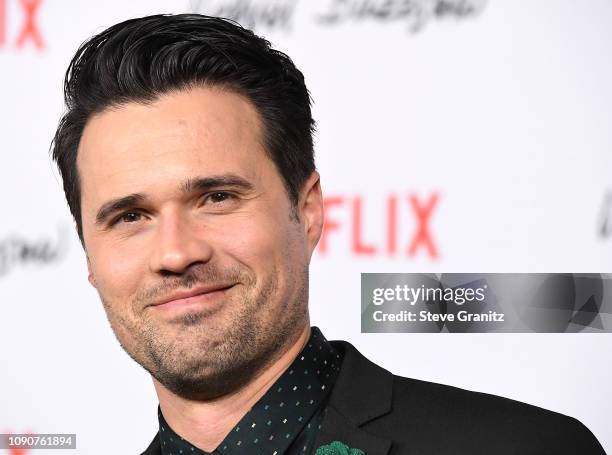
column 201, row 130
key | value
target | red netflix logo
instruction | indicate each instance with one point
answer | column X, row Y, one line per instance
column 13, row 450
column 420, row 209
column 28, row 31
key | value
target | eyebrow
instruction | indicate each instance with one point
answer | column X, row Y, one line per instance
column 191, row 185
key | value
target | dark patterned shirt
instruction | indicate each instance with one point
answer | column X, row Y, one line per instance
column 286, row 420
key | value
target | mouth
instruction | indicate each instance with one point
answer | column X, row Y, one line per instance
column 201, row 296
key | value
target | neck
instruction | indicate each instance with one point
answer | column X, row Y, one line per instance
column 206, row 423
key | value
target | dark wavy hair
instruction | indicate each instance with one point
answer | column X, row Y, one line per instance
column 140, row 59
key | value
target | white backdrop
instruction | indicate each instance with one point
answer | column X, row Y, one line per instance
column 499, row 111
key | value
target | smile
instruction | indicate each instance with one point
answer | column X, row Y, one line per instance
column 192, row 298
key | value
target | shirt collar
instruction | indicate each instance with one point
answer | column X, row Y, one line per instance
column 273, row 423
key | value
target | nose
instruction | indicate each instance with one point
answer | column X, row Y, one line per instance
column 178, row 244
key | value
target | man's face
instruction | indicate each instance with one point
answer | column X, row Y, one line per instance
column 181, row 204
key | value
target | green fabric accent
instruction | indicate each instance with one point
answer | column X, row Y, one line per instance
column 338, row 448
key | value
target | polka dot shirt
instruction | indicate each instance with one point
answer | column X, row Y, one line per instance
column 286, row 420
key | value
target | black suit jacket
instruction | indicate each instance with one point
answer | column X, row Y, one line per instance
column 383, row 414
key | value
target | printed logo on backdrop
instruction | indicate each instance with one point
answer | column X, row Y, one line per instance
column 605, row 224
column 4, row 445
column 399, row 240
column 279, row 14
column 17, row 251
column 270, row 14
column 414, row 13
column 487, row 302
column 19, row 25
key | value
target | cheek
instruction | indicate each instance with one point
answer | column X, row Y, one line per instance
column 251, row 240
column 266, row 245
column 117, row 271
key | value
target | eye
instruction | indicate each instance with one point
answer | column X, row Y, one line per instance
column 127, row 217
column 218, row 197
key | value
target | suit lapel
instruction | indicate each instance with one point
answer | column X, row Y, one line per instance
column 336, row 427
column 362, row 393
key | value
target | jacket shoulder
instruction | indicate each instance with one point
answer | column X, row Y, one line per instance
column 431, row 418
column 472, row 419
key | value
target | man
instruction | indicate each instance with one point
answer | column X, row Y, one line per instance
column 187, row 160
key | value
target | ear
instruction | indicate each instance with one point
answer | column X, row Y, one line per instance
column 90, row 276
column 311, row 210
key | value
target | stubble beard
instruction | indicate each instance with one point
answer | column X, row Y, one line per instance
column 203, row 362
